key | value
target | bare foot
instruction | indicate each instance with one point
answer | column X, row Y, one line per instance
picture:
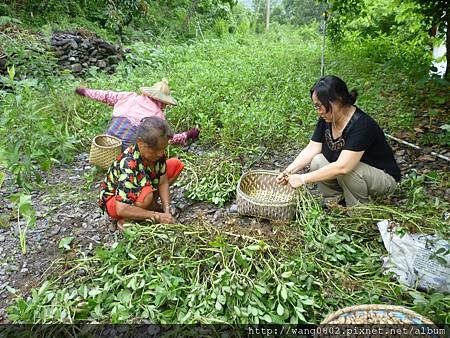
column 120, row 224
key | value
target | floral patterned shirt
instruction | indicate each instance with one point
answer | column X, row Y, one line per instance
column 128, row 175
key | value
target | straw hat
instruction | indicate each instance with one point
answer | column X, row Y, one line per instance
column 160, row 91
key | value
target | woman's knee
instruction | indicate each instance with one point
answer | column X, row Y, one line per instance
column 174, row 169
column 318, row 162
column 146, row 202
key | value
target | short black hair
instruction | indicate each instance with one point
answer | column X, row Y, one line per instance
column 330, row 88
column 152, row 129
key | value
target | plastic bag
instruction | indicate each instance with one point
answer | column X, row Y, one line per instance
column 419, row 260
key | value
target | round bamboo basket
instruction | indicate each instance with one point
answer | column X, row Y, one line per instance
column 376, row 314
column 104, row 150
column 259, row 195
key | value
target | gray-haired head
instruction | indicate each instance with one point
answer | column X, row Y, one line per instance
column 152, row 129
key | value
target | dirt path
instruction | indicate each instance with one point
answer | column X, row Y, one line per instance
column 66, row 207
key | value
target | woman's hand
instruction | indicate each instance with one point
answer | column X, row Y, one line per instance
column 193, row 134
column 165, row 217
column 80, row 91
column 283, row 177
column 296, row 180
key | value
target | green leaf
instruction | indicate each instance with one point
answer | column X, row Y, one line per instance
column 2, row 178
column 43, row 288
column 95, row 291
column 252, row 310
column 254, row 247
column 445, row 127
column 299, row 313
column 83, row 291
column 221, row 299
column 64, row 243
column 267, row 318
column 286, row 274
column 50, row 296
column 441, row 260
column 280, row 309
column 440, row 251
column 307, row 301
column 260, row 289
column 283, row 292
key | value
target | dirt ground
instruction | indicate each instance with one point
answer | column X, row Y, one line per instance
column 66, row 206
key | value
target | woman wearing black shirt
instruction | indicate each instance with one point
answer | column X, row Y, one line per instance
column 348, row 152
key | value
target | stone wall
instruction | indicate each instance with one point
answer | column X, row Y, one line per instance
column 80, row 50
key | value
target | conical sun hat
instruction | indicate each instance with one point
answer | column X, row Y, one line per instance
column 160, row 91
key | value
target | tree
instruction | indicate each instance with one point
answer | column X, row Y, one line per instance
column 300, row 12
column 432, row 12
column 437, row 13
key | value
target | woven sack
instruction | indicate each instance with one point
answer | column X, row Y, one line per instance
column 104, row 150
column 259, row 195
column 375, row 314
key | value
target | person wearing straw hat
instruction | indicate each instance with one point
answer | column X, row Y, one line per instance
column 348, row 154
column 130, row 108
column 141, row 175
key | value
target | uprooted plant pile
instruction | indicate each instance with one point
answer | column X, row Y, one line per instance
column 198, row 273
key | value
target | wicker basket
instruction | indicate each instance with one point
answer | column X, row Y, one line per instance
column 259, row 195
column 375, row 314
column 104, row 150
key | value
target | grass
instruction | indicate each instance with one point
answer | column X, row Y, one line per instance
column 249, row 94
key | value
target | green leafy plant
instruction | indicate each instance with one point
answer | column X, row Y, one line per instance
column 64, row 243
column 2, row 178
column 211, row 178
column 26, row 211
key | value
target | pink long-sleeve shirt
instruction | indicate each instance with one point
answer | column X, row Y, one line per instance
column 128, row 104
column 134, row 107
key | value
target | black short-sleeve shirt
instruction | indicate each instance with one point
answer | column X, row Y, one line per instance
column 362, row 133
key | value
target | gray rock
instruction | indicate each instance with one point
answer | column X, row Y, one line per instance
column 233, row 209
column 101, row 63
column 73, row 44
column 2, row 238
column 76, row 68
column 446, row 216
column 218, row 214
column 54, row 231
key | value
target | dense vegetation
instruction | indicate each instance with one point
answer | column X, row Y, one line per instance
column 225, row 73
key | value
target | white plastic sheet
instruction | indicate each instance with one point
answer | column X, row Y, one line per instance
column 410, row 258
